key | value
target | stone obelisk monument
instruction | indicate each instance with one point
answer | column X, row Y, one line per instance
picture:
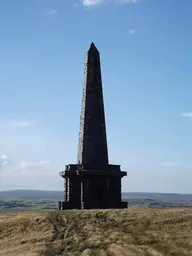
column 92, row 183
column 92, row 150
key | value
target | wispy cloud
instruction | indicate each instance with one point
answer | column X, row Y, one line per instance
column 51, row 12
column 169, row 164
column 3, row 157
column 188, row 114
column 89, row 3
column 25, row 174
column 25, row 164
column 3, row 161
column 128, row 1
column 132, row 31
column 20, row 123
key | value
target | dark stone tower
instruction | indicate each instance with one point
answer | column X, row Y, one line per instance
column 92, row 182
column 92, row 149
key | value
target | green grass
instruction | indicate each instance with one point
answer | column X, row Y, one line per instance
column 51, row 204
column 14, row 204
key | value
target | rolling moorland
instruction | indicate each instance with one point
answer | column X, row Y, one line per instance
column 154, row 225
column 128, row 232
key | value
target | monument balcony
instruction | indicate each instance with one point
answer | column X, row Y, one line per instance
column 109, row 171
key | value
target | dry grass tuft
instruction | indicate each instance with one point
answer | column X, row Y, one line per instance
column 129, row 232
column 24, row 234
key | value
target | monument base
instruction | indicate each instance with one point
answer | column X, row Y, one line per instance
column 70, row 206
column 87, row 188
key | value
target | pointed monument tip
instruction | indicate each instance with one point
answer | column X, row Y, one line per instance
column 92, row 47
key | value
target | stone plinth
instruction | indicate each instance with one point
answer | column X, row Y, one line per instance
column 93, row 189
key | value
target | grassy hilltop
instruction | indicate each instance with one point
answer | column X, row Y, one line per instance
column 131, row 232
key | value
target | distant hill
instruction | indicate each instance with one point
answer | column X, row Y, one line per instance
column 24, row 193
column 157, row 196
column 59, row 194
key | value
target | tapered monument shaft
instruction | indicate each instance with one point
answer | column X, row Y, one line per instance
column 92, row 183
column 92, row 148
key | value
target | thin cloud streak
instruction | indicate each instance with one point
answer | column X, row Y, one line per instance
column 20, row 124
column 24, row 173
column 89, row 3
column 25, row 164
column 129, row 1
column 51, row 12
column 132, row 31
column 189, row 114
column 169, row 164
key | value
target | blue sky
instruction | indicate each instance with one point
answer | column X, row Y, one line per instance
column 146, row 59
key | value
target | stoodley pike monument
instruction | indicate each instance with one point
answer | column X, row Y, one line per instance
column 92, row 183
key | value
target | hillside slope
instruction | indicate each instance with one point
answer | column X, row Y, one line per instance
column 133, row 232
column 35, row 194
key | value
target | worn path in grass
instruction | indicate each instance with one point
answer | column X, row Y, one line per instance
column 131, row 232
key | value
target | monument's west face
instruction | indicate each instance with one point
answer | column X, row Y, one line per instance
column 92, row 149
column 92, row 182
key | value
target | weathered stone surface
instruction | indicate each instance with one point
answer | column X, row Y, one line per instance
column 92, row 183
column 92, row 148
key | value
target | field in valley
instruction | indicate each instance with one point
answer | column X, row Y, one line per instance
column 133, row 232
column 37, row 200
